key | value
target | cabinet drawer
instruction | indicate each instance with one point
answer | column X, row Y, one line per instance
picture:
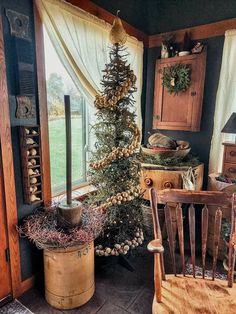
column 160, row 179
column 230, row 154
column 229, row 170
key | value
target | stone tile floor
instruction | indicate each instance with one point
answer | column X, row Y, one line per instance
column 118, row 291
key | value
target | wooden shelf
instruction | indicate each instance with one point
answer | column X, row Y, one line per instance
column 35, row 175
column 31, row 135
column 25, row 159
column 32, row 157
column 30, row 146
column 34, row 167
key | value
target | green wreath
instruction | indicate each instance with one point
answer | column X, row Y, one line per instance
column 176, row 78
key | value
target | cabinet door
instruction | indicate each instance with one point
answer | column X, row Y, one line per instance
column 182, row 111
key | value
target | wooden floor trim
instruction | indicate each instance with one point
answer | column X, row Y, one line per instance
column 27, row 284
column 8, row 174
column 196, row 32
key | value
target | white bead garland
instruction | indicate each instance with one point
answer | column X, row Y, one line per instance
column 122, row 248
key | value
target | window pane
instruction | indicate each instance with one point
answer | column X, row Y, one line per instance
column 59, row 84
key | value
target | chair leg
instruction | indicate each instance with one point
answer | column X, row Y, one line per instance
column 163, row 273
column 157, row 276
column 231, row 264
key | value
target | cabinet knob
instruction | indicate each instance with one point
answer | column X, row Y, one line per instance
column 232, row 153
column 232, row 170
column 157, row 117
column 148, row 182
column 193, row 93
column 168, row 185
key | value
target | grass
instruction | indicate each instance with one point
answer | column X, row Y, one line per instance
column 58, row 151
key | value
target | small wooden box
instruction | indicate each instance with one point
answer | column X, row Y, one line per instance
column 229, row 161
column 31, row 164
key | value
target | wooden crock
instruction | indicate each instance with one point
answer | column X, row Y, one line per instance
column 69, row 276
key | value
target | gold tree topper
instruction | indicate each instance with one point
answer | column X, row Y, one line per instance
column 118, row 34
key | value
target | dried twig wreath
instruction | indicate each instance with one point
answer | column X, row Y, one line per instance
column 176, row 78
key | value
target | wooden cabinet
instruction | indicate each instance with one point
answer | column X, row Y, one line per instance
column 229, row 161
column 161, row 178
column 182, row 111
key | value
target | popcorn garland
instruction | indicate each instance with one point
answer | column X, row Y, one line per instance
column 122, row 248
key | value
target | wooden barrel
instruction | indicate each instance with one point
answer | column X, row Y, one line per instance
column 69, row 276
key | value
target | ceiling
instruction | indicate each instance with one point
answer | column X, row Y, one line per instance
column 158, row 16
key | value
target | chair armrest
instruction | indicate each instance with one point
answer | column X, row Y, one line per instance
column 155, row 246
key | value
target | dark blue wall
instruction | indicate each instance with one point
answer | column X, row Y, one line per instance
column 29, row 254
column 159, row 16
column 200, row 141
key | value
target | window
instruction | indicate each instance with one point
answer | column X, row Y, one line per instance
column 59, row 84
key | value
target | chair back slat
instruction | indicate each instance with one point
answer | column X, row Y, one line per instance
column 216, row 198
column 179, row 217
column 192, row 232
column 204, row 238
column 217, row 229
column 193, row 197
column 170, row 234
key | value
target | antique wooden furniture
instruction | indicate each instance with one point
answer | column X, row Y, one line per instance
column 31, row 164
column 160, row 177
column 182, row 111
column 70, row 286
column 178, row 294
column 229, row 161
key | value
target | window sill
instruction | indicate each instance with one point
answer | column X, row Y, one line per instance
column 77, row 193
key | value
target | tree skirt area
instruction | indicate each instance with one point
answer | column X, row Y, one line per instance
column 14, row 307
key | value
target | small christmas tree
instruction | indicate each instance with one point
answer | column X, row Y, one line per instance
column 114, row 168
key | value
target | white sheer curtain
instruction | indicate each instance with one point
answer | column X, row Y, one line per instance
column 82, row 43
column 225, row 101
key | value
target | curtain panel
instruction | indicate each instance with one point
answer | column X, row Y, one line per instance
column 225, row 101
column 82, row 44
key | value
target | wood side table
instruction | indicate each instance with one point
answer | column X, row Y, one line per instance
column 229, row 160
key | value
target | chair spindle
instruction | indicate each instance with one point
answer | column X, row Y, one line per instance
column 179, row 216
column 191, row 216
column 156, row 227
column 217, row 229
column 171, row 239
column 204, row 238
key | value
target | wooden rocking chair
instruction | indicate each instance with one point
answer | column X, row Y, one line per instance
column 185, row 294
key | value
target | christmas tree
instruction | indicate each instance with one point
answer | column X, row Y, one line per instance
column 114, row 168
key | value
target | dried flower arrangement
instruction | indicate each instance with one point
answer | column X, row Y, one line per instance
column 42, row 229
